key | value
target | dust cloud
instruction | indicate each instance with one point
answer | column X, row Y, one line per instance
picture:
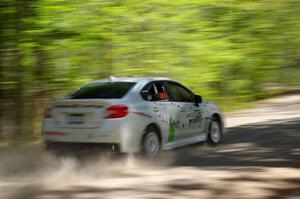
column 27, row 171
column 33, row 173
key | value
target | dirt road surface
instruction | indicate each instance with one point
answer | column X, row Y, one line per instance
column 259, row 158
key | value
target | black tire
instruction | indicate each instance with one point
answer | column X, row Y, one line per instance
column 151, row 144
column 215, row 132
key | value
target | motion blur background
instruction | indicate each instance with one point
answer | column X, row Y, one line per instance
column 229, row 51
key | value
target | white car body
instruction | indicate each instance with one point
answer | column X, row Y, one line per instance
column 179, row 123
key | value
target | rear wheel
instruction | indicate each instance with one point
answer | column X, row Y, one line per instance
column 151, row 144
column 215, row 132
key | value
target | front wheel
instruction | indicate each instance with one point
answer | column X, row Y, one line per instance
column 215, row 132
column 151, row 144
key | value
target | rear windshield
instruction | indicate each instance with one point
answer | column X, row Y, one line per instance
column 104, row 90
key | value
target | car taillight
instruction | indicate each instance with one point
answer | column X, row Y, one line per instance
column 116, row 111
column 47, row 113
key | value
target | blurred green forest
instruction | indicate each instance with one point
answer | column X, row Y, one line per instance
column 226, row 50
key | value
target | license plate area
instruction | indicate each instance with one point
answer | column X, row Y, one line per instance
column 75, row 119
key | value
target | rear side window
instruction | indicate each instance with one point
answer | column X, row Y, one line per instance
column 102, row 90
column 155, row 91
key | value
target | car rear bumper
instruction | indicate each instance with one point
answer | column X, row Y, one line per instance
column 122, row 132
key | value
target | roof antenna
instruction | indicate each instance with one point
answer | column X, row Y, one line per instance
column 112, row 78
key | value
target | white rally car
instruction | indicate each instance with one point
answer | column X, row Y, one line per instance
column 134, row 115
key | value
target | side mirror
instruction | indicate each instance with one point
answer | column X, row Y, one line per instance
column 198, row 100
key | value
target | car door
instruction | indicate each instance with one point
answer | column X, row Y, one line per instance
column 188, row 116
column 159, row 106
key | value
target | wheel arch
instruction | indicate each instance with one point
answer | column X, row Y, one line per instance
column 219, row 119
column 157, row 130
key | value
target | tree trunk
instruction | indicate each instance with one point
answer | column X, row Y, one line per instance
column 1, row 86
column 18, row 94
column 39, row 98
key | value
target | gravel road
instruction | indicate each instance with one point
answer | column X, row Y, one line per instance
column 259, row 158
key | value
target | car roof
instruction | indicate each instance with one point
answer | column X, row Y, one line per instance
column 132, row 79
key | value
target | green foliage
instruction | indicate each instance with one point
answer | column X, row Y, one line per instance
column 224, row 50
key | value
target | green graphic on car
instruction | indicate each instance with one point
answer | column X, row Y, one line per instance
column 171, row 135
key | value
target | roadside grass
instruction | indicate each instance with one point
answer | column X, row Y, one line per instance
column 235, row 104
column 26, row 140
